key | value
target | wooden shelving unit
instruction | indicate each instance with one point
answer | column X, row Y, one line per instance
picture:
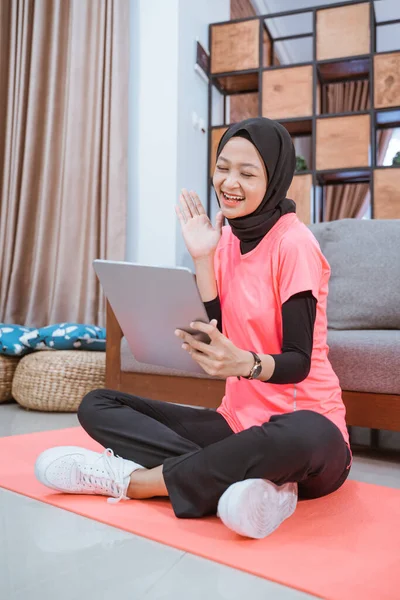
column 344, row 146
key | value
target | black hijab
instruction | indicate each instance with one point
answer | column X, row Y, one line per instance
column 275, row 146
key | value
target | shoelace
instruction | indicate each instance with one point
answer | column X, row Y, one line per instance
column 112, row 482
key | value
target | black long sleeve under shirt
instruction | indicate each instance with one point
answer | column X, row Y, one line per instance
column 298, row 319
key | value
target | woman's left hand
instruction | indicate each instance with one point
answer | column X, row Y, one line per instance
column 220, row 358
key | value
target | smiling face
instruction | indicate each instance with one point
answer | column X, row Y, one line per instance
column 240, row 178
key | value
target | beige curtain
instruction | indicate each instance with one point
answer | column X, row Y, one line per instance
column 350, row 200
column 63, row 155
column 383, row 138
column 241, row 9
column 347, row 200
column 348, row 96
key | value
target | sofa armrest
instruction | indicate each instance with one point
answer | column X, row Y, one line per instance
column 114, row 336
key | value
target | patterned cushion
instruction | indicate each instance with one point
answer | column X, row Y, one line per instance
column 67, row 336
column 12, row 339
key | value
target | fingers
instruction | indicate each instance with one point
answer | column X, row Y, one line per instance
column 185, row 209
column 180, row 215
column 190, row 206
column 209, row 328
column 219, row 221
column 210, row 358
column 206, row 363
column 193, row 343
column 190, row 203
column 197, row 202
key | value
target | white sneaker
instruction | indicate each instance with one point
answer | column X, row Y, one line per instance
column 75, row 470
column 256, row 507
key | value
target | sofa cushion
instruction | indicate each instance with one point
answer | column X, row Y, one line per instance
column 364, row 289
column 130, row 365
column 366, row 361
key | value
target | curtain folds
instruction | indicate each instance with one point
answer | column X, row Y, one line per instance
column 350, row 200
column 63, row 155
column 345, row 200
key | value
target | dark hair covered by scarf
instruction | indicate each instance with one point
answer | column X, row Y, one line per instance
column 276, row 149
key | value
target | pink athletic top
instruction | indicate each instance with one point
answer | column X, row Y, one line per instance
column 252, row 288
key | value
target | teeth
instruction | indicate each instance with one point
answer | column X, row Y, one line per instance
column 233, row 197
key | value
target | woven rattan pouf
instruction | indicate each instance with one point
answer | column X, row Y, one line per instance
column 57, row 380
column 8, row 364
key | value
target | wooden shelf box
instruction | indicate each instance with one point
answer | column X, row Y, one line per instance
column 243, row 106
column 266, row 49
column 216, row 135
column 287, row 93
column 343, row 142
column 386, row 193
column 341, row 152
column 387, row 80
column 239, row 84
column 235, row 46
column 343, row 31
column 300, row 192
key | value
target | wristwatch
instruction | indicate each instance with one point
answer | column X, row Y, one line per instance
column 256, row 368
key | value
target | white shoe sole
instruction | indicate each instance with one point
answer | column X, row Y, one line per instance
column 256, row 507
column 46, row 458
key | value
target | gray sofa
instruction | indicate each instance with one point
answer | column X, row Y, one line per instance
column 364, row 316
column 364, row 330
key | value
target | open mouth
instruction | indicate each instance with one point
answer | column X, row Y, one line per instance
column 231, row 200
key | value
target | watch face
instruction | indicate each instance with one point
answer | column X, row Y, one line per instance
column 257, row 371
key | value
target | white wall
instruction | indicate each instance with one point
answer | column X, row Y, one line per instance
column 152, row 152
column 165, row 152
column 194, row 18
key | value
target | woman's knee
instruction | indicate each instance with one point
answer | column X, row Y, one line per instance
column 90, row 406
column 297, row 434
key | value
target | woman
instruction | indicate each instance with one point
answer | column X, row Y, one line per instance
column 280, row 431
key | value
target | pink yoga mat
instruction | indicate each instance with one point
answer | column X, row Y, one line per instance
column 343, row 546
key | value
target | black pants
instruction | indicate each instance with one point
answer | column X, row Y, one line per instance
column 202, row 456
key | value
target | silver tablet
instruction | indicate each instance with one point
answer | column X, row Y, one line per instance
column 149, row 304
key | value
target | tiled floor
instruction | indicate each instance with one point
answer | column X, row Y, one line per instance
column 48, row 553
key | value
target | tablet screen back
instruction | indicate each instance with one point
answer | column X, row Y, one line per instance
column 149, row 304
